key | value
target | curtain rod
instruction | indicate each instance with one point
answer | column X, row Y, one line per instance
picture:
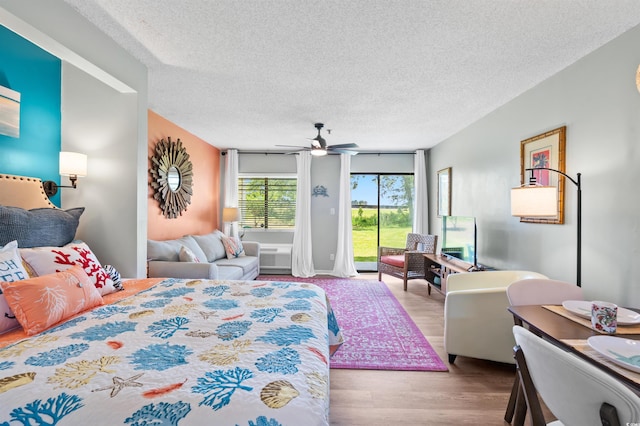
column 293, row 153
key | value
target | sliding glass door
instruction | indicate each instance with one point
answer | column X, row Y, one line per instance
column 381, row 214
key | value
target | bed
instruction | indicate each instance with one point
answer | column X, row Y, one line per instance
column 168, row 352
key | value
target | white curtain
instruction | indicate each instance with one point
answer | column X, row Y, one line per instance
column 301, row 254
column 344, row 265
column 421, row 200
column 231, row 189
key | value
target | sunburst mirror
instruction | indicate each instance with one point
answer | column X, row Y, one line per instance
column 171, row 177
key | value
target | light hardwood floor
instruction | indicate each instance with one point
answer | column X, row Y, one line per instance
column 471, row 392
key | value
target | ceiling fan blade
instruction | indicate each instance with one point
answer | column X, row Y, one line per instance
column 344, row 145
column 342, row 151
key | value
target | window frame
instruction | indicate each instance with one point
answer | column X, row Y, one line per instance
column 242, row 203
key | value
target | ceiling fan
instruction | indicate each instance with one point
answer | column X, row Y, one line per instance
column 319, row 146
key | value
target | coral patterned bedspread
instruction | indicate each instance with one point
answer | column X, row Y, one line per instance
column 183, row 352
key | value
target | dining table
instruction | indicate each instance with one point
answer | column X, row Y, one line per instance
column 570, row 332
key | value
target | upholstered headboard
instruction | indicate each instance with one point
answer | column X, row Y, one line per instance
column 22, row 191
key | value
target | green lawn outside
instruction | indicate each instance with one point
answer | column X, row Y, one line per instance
column 365, row 244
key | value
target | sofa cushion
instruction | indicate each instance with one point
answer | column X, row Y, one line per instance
column 211, row 245
column 170, row 249
column 246, row 263
column 395, row 260
column 229, row 272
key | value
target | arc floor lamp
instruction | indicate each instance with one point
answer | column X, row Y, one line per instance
column 535, row 200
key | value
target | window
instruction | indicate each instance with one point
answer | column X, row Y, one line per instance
column 267, row 202
column 381, row 214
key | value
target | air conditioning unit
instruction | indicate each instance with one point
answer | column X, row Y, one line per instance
column 275, row 257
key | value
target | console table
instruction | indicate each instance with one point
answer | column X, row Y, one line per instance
column 437, row 267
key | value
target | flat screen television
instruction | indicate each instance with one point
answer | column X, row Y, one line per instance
column 459, row 238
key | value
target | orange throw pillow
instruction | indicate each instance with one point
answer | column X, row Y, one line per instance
column 38, row 303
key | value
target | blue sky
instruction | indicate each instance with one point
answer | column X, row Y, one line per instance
column 368, row 191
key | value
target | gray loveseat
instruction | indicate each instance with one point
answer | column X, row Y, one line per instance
column 165, row 259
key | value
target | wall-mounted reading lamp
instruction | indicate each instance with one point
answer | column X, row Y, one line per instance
column 72, row 164
column 542, row 201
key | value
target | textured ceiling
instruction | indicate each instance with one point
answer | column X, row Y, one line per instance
column 389, row 76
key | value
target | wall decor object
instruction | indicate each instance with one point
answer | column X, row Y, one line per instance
column 172, row 177
column 9, row 112
column 638, row 78
column 319, row 190
column 546, row 150
column 72, row 164
column 444, row 192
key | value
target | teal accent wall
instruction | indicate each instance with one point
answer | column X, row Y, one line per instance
column 36, row 75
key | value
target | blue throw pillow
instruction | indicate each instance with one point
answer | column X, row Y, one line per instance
column 38, row 227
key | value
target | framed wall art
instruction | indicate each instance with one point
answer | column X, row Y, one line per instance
column 545, row 150
column 9, row 112
column 444, row 192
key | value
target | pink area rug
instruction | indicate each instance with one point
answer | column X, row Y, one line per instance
column 378, row 332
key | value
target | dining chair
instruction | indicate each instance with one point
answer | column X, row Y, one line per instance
column 535, row 292
column 406, row 263
column 542, row 292
column 575, row 391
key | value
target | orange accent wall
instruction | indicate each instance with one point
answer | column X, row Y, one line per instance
column 201, row 216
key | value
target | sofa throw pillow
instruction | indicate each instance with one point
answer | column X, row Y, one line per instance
column 38, row 227
column 11, row 270
column 233, row 246
column 36, row 308
column 186, row 255
column 47, row 260
column 115, row 276
column 211, row 245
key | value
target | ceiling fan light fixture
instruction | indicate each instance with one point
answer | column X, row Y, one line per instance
column 318, row 146
column 318, row 152
column 316, row 142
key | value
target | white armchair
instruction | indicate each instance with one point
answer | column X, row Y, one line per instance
column 476, row 321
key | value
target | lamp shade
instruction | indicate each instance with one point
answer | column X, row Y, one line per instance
column 318, row 152
column 73, row 164
column 230, row 214
column 534, row 201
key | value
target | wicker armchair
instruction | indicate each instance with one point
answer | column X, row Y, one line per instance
column 406, row 263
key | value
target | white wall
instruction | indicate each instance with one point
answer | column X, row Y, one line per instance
column 96, row 120
column 597, row 100
column 104, row 115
